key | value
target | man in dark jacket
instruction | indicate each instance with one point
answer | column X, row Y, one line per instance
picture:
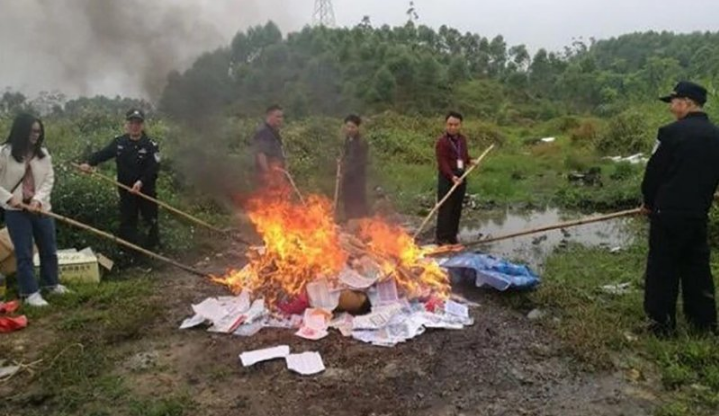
column 452, row 160
column 353, row 168
column 268, row 148
column 679, row 184
column 138, row 163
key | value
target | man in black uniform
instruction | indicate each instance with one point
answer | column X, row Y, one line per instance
column 679, row 184
column 138, row 163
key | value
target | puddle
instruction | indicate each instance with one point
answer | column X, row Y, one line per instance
column 534, row 249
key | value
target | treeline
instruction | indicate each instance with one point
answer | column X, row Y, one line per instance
column 416, row 69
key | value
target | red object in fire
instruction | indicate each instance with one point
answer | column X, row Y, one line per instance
column 433, row 303
column 295, row 306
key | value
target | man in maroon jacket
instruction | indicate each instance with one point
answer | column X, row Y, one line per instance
column 452, row 160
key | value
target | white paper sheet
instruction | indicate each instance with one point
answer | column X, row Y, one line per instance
column 321, row 296
column 354, row 280
column 456, row 309
column 252, row 357
column 307, row 363
column 311, row 334
column 192, row 322
column 387, row 292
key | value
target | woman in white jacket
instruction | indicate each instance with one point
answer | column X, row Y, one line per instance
column 26, row 181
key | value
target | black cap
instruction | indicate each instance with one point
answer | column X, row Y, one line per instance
column 135, row 114
column 686, row 89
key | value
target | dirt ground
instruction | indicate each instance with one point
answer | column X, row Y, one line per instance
column 505, row 364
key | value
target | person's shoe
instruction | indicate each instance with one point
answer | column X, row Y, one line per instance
column 59, row 290
column 36, row 300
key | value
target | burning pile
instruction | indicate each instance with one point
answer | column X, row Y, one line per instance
column 302, row 244
column 310, row 268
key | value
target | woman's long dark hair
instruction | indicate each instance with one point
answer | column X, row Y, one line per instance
column 19, row 138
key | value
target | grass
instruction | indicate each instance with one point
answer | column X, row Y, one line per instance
column 605, row 331
column 79, row 373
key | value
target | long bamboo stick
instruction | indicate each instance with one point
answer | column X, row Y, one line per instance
column 567, row 224
column 160, row 203
column 338, row 179
column 115, row 239
column 451, row 191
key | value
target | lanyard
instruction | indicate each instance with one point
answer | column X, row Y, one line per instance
column 456, row 146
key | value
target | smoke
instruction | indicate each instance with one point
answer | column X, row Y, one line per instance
column 116, row 47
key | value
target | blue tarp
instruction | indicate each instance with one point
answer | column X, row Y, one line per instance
column 490, row 271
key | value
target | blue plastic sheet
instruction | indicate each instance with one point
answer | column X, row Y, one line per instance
column 490, row 271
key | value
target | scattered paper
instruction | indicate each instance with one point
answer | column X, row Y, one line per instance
column 307, row 363
column 253, row 357
column 343, row 323
column 210, row 309
column 548, row 139
column 294, row 321
column 375, row 320
column 321, row 296
column 311, row 334
column 387, row 292
column 354, row 280
column 456, row 309
column 249, row 330
column 192, row 322
column 316, row 319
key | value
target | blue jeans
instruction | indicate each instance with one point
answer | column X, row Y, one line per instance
column 24, row 227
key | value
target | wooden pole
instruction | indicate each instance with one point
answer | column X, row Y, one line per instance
column 451, row 191
column 294, row 186
column 567, row 224
column 115, row 239
column 160, row 203
column 151, row 199
column 338, row 180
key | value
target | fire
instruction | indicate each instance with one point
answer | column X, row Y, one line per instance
column 403, row 258
column 303, row 243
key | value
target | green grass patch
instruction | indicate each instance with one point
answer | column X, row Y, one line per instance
column 605, row 330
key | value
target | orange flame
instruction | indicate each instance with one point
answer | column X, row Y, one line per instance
column 302, row 242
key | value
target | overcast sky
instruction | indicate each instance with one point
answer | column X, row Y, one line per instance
column 55, row 44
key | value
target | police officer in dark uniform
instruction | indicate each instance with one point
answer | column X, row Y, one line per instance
column 138, row 163
column 679, row 184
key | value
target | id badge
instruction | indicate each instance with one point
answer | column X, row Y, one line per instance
column 460, row 164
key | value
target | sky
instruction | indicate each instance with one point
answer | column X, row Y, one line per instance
column 126, row 47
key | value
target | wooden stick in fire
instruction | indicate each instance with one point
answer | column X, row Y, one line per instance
column 160, row 203
column 294, row 186
column 568, row 224
column 451, row 191
column 338, row 180
column 115, row 239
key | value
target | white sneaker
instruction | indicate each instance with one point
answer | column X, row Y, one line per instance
column 36, row 300
column 60, row 290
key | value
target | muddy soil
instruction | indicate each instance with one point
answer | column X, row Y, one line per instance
column 505, row 364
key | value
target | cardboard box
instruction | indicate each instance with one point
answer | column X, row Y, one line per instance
column 75, row 266
column 8, row 263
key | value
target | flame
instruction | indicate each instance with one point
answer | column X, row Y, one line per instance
column 404, row 259
column 302, row 242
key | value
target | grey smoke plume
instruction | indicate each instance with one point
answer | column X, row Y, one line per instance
column 124, row 47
